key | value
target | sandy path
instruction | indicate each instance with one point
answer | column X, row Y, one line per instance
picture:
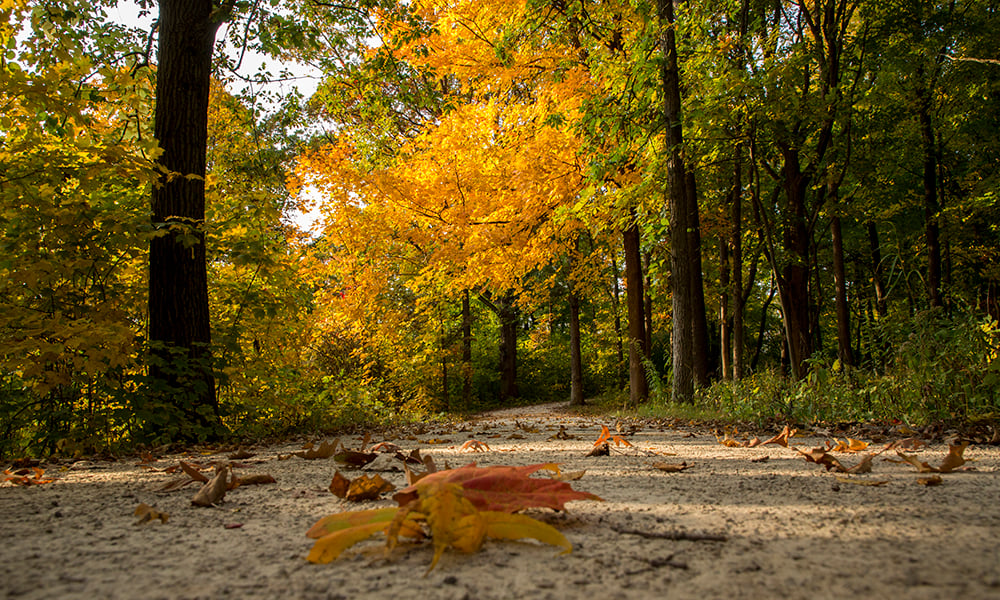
column 791, row 529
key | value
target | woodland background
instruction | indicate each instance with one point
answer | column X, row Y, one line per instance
column 754, row 209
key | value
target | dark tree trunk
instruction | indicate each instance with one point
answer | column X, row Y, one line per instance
column 615, row 306
column 876, row 250
column 696, row 291
column 725, row 314
column 793, row 284
column 576, row 359
column 736, row 244
column 932, row 230
column 685, row 255
column 647, row 309
column 637, row 384
column 508, row 349
column 179, row 327
column 466, row 350
column 843, row 309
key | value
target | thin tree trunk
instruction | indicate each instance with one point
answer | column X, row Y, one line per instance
column 179, row 326
column 616, row 307
column 876, row 254
column 576, row 359
column 843, row 309
column 699, row 317
column 725, row 317
column 932, row 230
column 466, row 350
column 736, row 243
column 638, row 386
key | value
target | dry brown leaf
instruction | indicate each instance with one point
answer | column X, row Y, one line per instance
column 954, row 459
column 361, row 488
column 241, row 454
column 436, row 441
column 782, row 438
column 865, row 466
column 562, row 435
column 325, row 450
column 213, row 491
column 355, row 458
column 258, row 479
column 922, row 467
column 569, row 475
column 729, row 442
column 754, row 442
column 474, row 446
column 930, row 481
column 193, row 472
column 339, row 485
column 672, row 467
column 147, row 513
column 821, row 457
column 602, row 450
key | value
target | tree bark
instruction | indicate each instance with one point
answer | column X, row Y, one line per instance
column 179, row 326
column 844, row 351
column 615, row 306
column 637, row 384
column 932, row 230
column 736, row 245
column 466, row 350
column 576, row 359
column 688, row 346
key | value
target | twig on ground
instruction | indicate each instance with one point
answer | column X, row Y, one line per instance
column 673, row 535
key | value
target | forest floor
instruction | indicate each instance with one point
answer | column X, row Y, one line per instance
column 738, row 522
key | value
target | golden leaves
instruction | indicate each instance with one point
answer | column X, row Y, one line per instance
column 457, row 508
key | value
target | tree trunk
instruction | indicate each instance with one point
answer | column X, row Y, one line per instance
column 736, row 244
column 843, row 310
column 179, row 327
column 637, row 384
column 508, row 349
column 699, row 316
column 685, row 253
column 931, row 205
column 725, row 315
column 881, row 306
column 615, row 306
column 576, row 360
column 466, row 350
column 793, row 284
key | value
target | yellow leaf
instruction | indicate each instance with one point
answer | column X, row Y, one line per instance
column 506, row 526
column 330, row 546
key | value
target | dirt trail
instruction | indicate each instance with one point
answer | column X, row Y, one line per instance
column 741, row 523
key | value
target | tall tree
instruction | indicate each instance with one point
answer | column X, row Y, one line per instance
column 179, row 325
column 687, row 295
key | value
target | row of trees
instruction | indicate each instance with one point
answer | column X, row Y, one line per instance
column 817, row 154
column 520, row 199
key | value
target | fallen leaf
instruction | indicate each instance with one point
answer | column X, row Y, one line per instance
column 386, row 447
column 569, row 475
column 355, row 458
column 241, row 454
column 930, row 481
column 602, row 450
column 368, row 488
column 212, row 492
column 339, row 485
column 474, row 446
column 22, row 476
column 325, row 450
column 782, row 438
column 258, row 479
column 193, row 472
column 672, row 467
column 233, row 525
column 821, row 457
column 954, row 459
column 459, row 508
column 562, row 434
column 606, row 437
column 147, row 513
column 865, row 466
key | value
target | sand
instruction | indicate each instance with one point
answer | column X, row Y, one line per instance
column 756, row 522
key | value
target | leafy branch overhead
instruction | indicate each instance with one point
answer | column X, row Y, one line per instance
column 456, row 508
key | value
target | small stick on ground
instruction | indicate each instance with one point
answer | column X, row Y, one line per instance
column 674, row 535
